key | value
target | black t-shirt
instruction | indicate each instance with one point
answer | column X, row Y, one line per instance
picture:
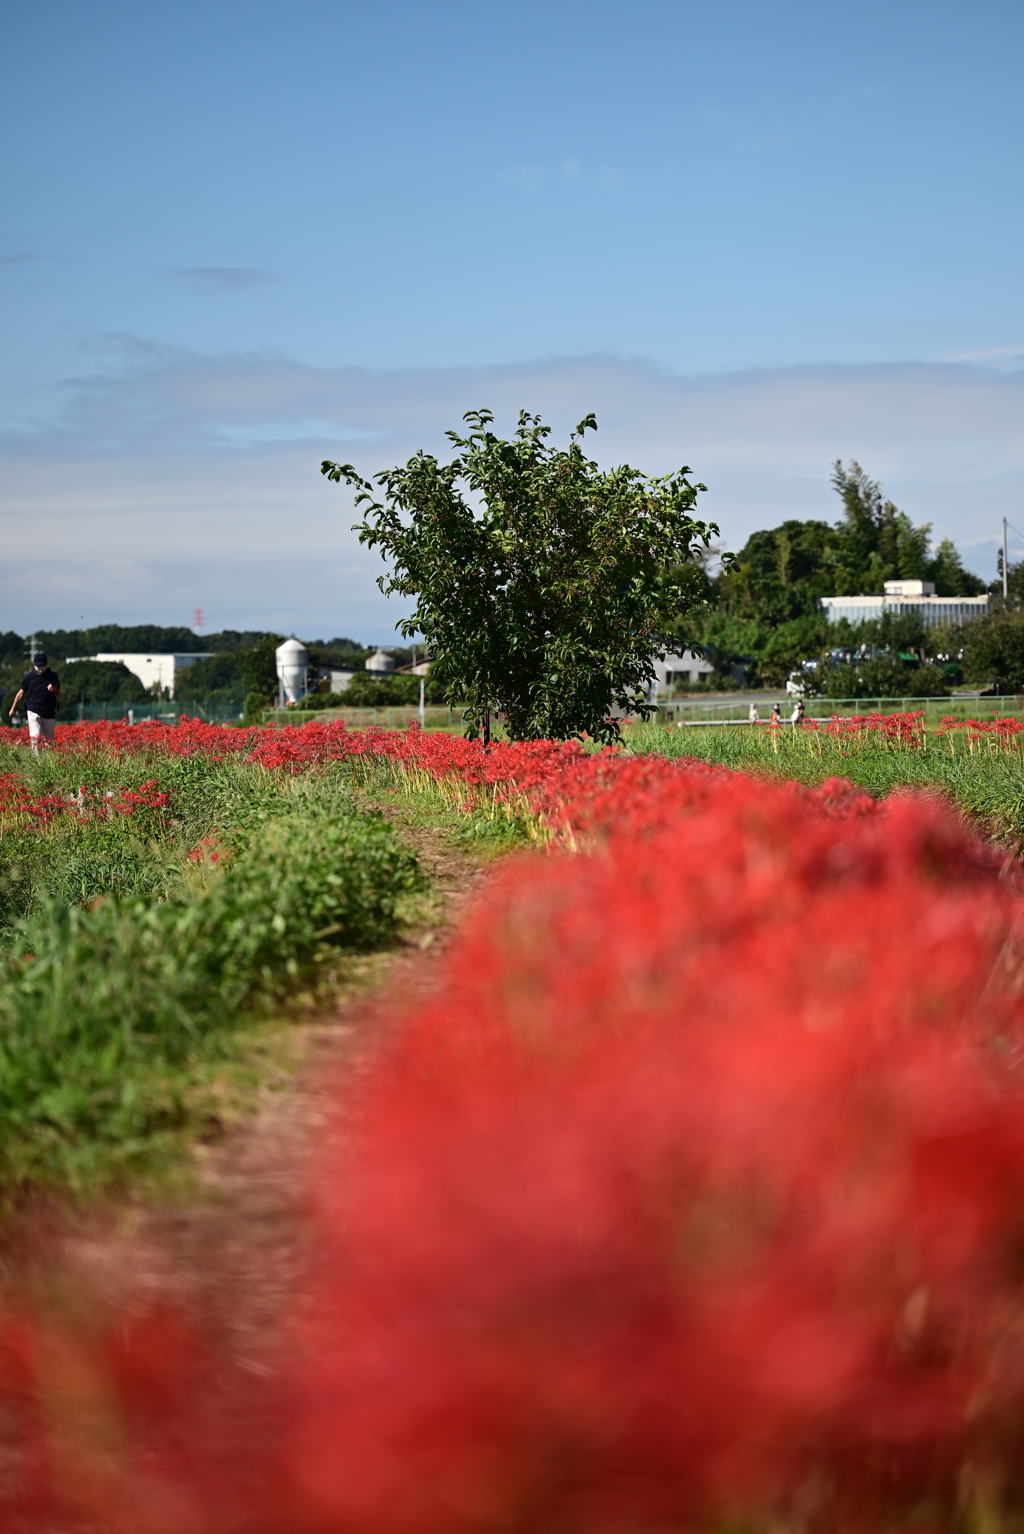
column 37, row 699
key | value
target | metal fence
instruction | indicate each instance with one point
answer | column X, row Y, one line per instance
column 435, row 716
column 960, row 706
column 686, row 711
column 166, row 712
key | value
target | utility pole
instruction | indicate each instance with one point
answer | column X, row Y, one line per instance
column 1005, row 588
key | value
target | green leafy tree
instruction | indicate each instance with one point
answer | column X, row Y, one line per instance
column 257, row 666
column 368, row 689
column 544, row 586
column 114, row 637
column 876, row 541
column 885, row 677
column 1014, row 584
column 994, row 652
column 220, row 674
column 903, row 632
column 775, row 583
column 780, row 573
column 784, row 649
column 100, row 681
column 949, row 575
column 339, row 652
column 232, row 639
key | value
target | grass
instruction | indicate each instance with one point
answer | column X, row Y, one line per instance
column 987, row 783
column 138, row 950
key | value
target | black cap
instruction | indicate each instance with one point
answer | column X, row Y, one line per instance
column 39, row 659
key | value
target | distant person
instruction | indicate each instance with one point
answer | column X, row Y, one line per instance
column 40, row 689
column 798, row 712
column 754, row 717
column 776, row 715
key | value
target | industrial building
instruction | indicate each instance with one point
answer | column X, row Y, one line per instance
column 153, row 671
column 902, row 597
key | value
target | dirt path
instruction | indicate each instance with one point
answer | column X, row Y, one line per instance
column 233, row 1249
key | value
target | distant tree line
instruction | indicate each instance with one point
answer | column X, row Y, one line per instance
column 763, row 606
column 241, row 668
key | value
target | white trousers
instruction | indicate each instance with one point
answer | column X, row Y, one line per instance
column 40, row 728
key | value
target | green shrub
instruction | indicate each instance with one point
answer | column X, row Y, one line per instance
column 307, row 877
column 994, row 651
column 886, row 677
column 217, row 677
column 373, row 690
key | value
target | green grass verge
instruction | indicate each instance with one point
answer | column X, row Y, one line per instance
column 112, row 1011
column 988, row 785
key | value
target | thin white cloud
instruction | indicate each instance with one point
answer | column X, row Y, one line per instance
column 200, row 476
column 258, row 433
column 990, row 354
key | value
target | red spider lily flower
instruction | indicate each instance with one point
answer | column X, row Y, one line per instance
column 697, row 1181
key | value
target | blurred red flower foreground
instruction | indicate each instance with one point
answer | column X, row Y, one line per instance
column 694, row 1197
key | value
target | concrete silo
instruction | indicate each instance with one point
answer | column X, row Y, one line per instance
column 381, row 662
column 292, row 671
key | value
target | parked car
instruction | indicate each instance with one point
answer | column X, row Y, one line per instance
column 803, row 683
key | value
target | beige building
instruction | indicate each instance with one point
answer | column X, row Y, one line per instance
column 681, row 670
column 902, row 597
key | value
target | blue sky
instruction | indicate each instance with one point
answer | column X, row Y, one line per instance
column 237, row 238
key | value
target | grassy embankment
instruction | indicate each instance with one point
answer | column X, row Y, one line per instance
column 138, row 950
column 984, row 778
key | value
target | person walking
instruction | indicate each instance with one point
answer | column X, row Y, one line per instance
column 798, row 712
column 40, row 689
column 754, row 717
column 776, row 715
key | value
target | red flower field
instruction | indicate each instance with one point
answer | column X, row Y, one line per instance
column 691, row 1198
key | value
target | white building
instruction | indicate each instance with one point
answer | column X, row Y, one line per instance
column 907, row 597
column 381, row 662
column 336, row 678
column 152, row 670
column 688, row 667
column 332, row 679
